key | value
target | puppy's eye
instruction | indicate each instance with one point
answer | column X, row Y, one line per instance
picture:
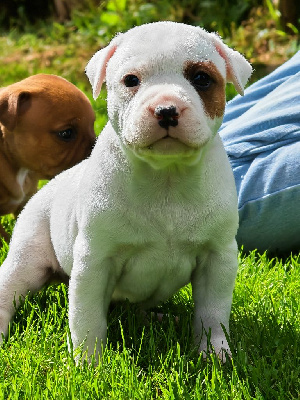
column 201, row 81
column 131, row 81
column 66, row 134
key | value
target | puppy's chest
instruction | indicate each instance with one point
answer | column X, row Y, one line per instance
column 159, row 217
column 155, row 252
column 153, row 242
column 152, row 233
column 16, row 189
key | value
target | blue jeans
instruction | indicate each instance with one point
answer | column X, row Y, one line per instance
column 261, row 134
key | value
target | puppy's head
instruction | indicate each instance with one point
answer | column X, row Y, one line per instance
column 166, row 88
column 47, row 124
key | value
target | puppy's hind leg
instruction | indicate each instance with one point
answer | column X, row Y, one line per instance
column 27, row 267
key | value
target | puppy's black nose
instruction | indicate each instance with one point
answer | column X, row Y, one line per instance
column 167, row 116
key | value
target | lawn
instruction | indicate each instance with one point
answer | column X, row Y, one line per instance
column 157, row 359
column 154, row 359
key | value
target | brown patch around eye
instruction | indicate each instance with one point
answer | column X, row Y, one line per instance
column 210, row 85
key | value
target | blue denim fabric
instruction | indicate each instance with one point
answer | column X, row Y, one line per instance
column 261, row 134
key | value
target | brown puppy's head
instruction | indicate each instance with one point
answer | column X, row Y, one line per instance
column 47, row 124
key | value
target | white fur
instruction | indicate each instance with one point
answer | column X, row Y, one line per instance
column 143, row 216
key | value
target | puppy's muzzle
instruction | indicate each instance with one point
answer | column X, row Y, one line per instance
column 167, row 116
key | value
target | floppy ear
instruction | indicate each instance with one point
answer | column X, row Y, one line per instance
column 12, row 105
column 238, row 69
column 96, row 67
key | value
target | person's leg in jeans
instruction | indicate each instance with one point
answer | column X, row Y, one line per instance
column 261, row 134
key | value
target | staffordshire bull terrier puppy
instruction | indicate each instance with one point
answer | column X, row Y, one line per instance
column 46, row 126
column 154, row 206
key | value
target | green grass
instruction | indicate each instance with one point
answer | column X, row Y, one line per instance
column 158, row 360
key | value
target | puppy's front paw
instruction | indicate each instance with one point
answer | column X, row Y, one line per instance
column 217, row 345
column 4, row 321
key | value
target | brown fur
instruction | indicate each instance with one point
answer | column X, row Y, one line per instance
column 32, row 112
column 214, row 97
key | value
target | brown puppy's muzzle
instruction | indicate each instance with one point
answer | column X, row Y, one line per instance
column 89, row 148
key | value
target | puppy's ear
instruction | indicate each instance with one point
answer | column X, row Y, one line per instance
column 238, row 69
column 12, row 106
column 96, row 67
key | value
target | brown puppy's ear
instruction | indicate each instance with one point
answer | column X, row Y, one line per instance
column 12, row 106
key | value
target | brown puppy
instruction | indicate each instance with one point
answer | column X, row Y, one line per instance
column 46, row 126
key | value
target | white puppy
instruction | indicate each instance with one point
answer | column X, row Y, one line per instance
column 154, row 207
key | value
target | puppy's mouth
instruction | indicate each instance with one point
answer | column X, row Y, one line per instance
column 169, row 145
column 165, row 143
column 167, row 150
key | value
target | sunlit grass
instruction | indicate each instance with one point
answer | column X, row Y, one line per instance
column 157, row 359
